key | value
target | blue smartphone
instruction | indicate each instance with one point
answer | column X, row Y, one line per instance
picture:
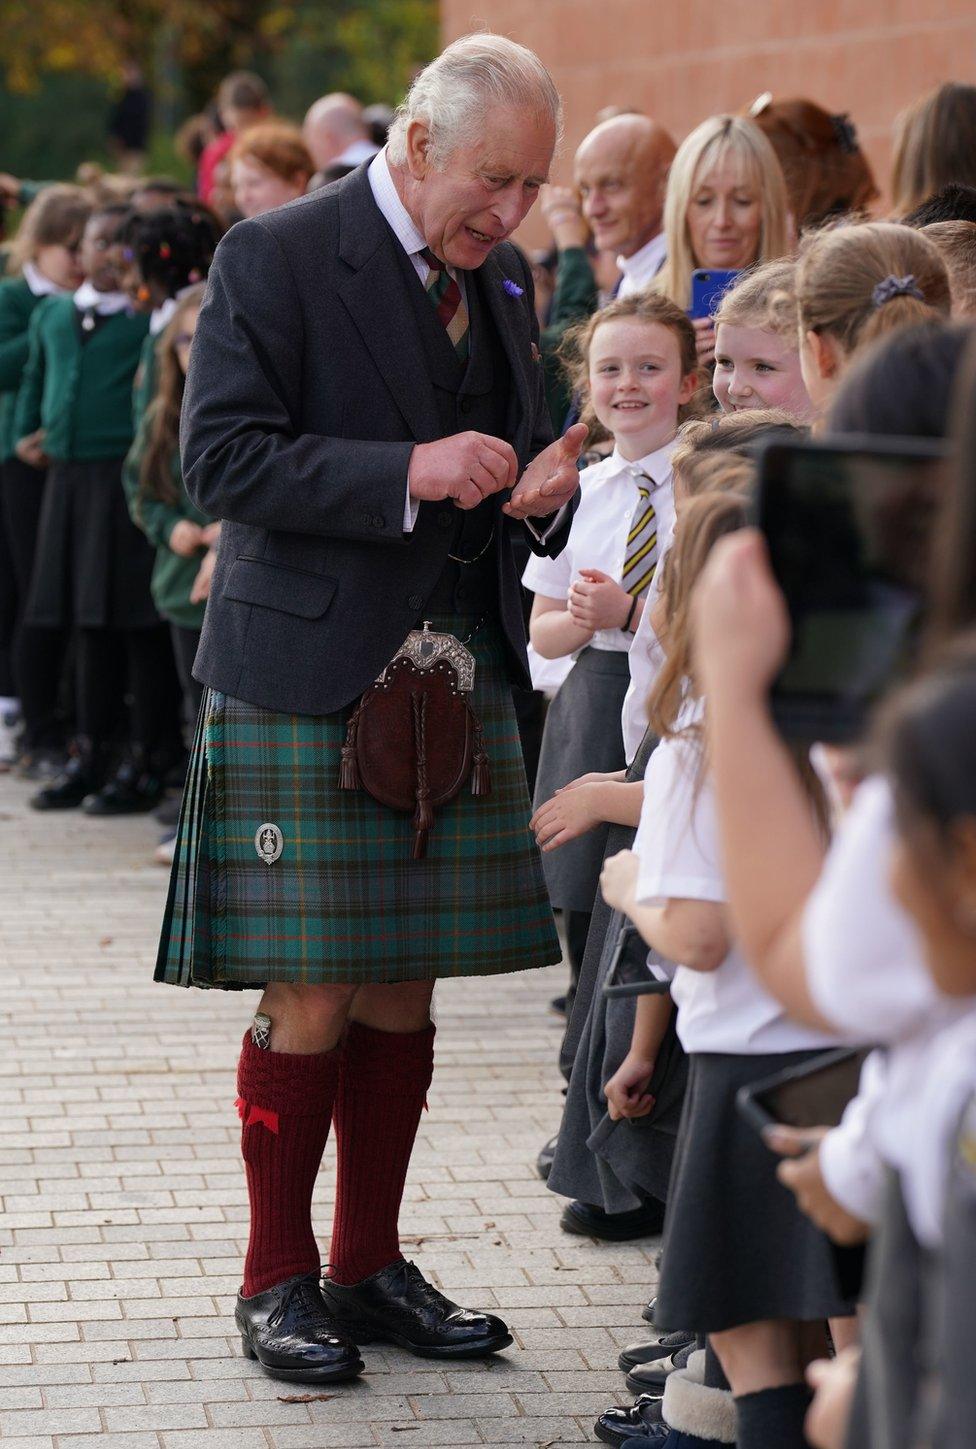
column 708, row 285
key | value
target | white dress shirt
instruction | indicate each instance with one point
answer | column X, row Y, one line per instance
column 639, row 270
column 866, row 973
column 356, row 153
column 413, row 241
column 677, row 843
column 601, row 523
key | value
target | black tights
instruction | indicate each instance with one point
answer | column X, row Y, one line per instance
column 139, row 662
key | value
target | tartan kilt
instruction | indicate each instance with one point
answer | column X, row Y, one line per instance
column 345, row 902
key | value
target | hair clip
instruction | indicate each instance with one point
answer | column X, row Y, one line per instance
column 194, row 275
column 892, row 287
column 760, row 104
column 845, row 134
column 165, row 251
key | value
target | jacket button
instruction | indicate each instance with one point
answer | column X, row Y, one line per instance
column 465, row 404
column 379, row 521
column 415, row 601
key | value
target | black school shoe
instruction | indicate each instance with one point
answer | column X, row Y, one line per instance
column 398, row 1305
column 637, row 1354
column 290, row 1332
column 617, row 1426
column 83, row 772
column 134, row 789
column 650, row 1378
column 592, row 1222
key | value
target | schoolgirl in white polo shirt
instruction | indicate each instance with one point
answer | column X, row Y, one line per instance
column 636, row 372
column 741, row 1262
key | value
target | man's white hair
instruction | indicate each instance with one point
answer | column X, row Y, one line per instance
column 455, row 94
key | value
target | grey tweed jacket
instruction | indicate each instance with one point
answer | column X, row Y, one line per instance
column 306, row 394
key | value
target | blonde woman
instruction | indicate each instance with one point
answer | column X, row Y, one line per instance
column 725, row 207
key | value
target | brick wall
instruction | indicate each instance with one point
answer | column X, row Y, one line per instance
column 682, row 60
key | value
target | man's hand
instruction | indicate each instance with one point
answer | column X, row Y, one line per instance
column 596, row 601
column 466, row 468
column 550, row 480
column 9, row 189
column 561, row 210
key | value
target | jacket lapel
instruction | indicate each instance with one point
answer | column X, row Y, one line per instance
column 376, row 300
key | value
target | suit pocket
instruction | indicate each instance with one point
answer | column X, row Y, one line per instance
column 277, row 586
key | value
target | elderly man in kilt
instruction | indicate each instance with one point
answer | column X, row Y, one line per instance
column 365, row 413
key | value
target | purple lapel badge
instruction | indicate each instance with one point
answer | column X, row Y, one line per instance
column 512, row 288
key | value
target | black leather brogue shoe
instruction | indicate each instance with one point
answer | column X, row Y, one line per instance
column 619, row 1426
column 398, row 1305
column 290, row 1331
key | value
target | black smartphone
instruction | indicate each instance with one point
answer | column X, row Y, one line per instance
column 849, row 526
column 814, row 1094
column 629, row 973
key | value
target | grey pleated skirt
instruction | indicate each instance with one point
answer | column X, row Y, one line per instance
column 737, row 1248
column 582, row 733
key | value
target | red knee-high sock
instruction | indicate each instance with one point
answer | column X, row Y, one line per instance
column 382, row 1088
column 285, row 1103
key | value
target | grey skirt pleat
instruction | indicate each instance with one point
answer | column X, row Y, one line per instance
column 737, row 1248
column 613, row 1165
column 583, row 733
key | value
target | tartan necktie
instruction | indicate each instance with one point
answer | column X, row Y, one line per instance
column 445, row 295
column 640, row 559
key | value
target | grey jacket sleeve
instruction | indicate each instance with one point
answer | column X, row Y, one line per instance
column 243, row 456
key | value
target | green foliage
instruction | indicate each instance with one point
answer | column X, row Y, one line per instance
column 60, row 62
column 49, row 131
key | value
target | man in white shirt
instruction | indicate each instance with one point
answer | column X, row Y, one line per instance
column 621, row 172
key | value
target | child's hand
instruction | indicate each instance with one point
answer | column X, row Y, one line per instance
column 186, row 538
column 626, row 1092
column 740, row 621
column 833, row 1381
column 571, row 812
column 201, row 584
column 618, row 879
column 211, row 534
column 704, row 339
column 804, row 1178
column 596, row 601
column 595, row 777
column 30, row 450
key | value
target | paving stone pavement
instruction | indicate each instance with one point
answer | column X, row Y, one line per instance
column 124, row 1207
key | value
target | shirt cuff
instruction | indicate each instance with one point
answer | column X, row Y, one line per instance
column 852, row 1168
column 541, row 535
column 411, row 508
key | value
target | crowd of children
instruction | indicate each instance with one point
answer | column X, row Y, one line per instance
column 787, row 902
column 783, row 907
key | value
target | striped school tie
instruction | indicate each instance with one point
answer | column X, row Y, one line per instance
column 640, row 560
column 445, row 295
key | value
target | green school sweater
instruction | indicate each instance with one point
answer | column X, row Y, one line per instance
column 79, row 393
column 574, row 299
column 173, row 575
column 17, row 304
column 144, row 383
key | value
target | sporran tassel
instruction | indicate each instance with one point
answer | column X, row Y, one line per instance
column 348, row 769
column 481, row 772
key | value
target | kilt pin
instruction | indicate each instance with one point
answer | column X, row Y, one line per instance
column 318, row 365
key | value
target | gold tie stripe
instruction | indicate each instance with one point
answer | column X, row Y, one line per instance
column 640, row 560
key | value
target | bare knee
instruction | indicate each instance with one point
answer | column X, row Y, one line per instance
column 394, row 1006
column 756, row 1356
column 306, row 1018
